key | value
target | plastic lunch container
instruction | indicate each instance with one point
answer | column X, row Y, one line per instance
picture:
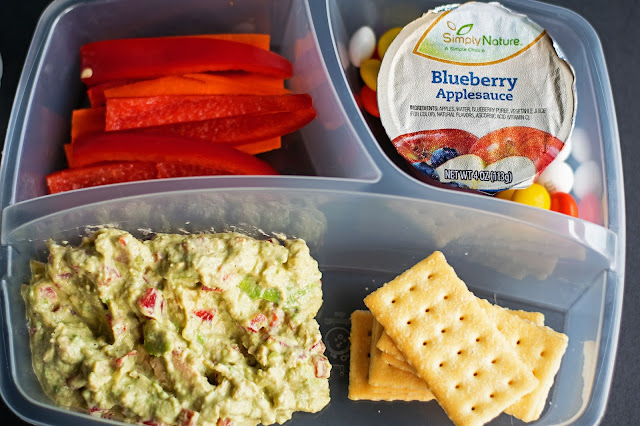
column 364, row 218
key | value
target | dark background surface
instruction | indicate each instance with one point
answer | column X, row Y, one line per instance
column 616, row 22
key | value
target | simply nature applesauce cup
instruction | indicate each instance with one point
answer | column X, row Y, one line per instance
column 476, row 96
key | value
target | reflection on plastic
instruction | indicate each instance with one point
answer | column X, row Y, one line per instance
column 510, row 248
column 258, row 215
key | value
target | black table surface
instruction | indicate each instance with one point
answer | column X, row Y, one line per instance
column 616, row 22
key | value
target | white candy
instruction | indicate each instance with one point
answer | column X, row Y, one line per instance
column 557, row 177
column 361, row 45
column 588, row 179
column 581, row 145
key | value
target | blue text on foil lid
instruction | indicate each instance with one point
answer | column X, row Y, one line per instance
column 470, row 79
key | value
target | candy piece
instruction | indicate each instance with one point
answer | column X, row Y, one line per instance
column 535, row 195
column 590, row 208
column 369, row 69
column 588, row 179
column 562, row 202
column 369, row 101
column 386, row 39
column 505, row 195
column 362, row 45
column 558, row 176
column 581, row 145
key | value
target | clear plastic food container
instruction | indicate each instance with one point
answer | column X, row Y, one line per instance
column 365, row 219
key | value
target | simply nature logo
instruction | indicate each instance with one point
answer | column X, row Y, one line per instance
column 461, row 36
column 465, row 29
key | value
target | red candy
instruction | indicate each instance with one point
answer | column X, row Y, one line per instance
column 590, row 208
column 369, row 101
column 562, row 202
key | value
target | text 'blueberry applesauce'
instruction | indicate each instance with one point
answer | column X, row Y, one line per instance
column 476, row 96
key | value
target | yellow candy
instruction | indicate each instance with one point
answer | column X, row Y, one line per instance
column 369, row 69
column 505, row 195
column 536, row 195
column 386, row 39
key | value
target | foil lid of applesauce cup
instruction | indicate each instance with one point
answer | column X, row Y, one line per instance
column 477, row 96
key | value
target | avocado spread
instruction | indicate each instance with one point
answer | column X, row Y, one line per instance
column 214, row 329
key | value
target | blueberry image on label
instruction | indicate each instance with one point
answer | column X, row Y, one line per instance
column 442, row 155
column 458, row 185
column 426, row 169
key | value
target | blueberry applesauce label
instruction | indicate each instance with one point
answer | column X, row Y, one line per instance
column 476, row 96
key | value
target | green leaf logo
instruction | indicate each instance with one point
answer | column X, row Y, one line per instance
column 465, row 29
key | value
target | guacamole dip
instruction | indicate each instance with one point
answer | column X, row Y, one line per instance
column 213, row 329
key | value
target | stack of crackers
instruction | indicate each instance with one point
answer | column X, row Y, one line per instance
column 427, row 336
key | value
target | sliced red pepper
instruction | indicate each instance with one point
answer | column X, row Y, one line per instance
column 126, row 146
column 261, row 41
column 253, row 133
column 103, row 174
column 139, row 58
column 131, row 113
column 85, row 121
column 221, row 83
column 96, row 93
column 237, row 130
column 172, row 170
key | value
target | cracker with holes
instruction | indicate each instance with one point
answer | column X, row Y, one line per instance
column 383, row 374
column 359, row 387
column 540, row 348
column 389, row 348
column 439, row 326
column 401, row 364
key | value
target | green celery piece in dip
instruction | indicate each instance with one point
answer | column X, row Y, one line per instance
column 190, row 329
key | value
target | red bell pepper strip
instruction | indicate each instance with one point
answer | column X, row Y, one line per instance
column 261, row 41
column 229, row 83
column 237, row 130
column 139, row 58
column 91, row 120
column 127, row 146
column 85, row 121
column 171, row 170
column 96, row 93
column 259, row 147
column 103, row 174
column 132, row 113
